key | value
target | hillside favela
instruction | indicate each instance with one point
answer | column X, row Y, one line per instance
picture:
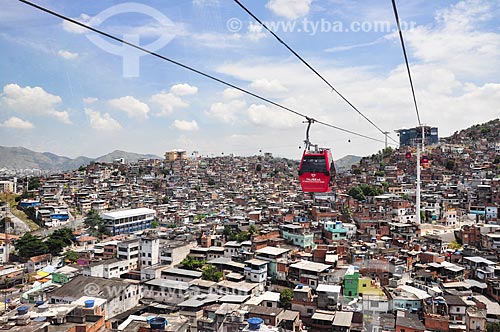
column 250, row 166
column 227, row 242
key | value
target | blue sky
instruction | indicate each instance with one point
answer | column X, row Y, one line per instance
column 61, row 92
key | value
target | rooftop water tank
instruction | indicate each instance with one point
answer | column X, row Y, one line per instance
column 158, row 323
column 254, row 323
column 22, row 310
column 89, row 303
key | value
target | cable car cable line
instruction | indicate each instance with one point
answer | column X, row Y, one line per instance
column 406, row 60
column 312, row 69
column 199, row 72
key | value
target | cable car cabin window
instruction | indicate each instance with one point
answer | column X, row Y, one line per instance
column 314, row 164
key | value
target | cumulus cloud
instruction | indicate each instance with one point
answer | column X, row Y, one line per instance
column 74, row 28
column 167, row 103
column 291, row 9
column 265, row 85
column 67, row 54
column 256, row 32
column 266, row 116
column 102, row 121
column 456, row 42
column 30, row 100
column 231, row 93
column 226, row 112
column 90, row 100
column 16, row 123
column 183, row 89
column 185, row 125
column 133, row 107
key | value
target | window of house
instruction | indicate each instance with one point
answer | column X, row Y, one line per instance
column 310, row 311
column 364, row 285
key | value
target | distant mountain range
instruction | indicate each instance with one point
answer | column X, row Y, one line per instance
column 22, row 158
column 345, row 163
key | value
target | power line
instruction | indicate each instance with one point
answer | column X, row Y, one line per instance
column 406, row 60
column 199, row 72
column 311, row 68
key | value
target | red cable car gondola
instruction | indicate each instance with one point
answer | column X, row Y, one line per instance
column 424, row 160
column 408, row 155
column 316, row 169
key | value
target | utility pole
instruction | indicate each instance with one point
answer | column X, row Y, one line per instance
column 417, row 203
column 386, row 133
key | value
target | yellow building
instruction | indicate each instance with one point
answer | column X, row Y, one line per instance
column 173, row 155
column 367, row 286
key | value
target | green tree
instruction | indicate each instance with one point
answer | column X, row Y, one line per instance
column 55, row 246
column 155, row 224
column 71, row 256
column 450, row 165
column 58, row 240
column 357, row 193
column 96, row 224
column 30, row 245
column 33, row 183
column 454, row 245
column 211, row 273
column 493, row 327
column 191, row 263
column 286, row 296
column 253, row 230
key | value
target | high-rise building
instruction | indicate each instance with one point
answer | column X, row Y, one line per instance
column 175, row 155
column 412, row 136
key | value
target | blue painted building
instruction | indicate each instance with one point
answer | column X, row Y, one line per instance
column 128, row 221
column 29, row 203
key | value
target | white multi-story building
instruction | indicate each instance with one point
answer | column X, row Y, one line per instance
column 149, row 250
column 111, row 268
column 173, row 252
column 256, row 270
column 128, row 221
column 129, row 251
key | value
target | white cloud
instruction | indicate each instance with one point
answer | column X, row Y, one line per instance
column 256, row 32
column 132, row 106
column 30, row 100
column 90, row 100
column 183, row 89
column 102, row 121
column 185, row 125
column 265, row 85
column 17, row 123
column 455, row 41
column 74, row 28
column 62, row 116
column 291, row 9
column 167, row 103
column 231, row 93
column 226, row 112
column 203, row 3
column 67, row 54
column 263, row 115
